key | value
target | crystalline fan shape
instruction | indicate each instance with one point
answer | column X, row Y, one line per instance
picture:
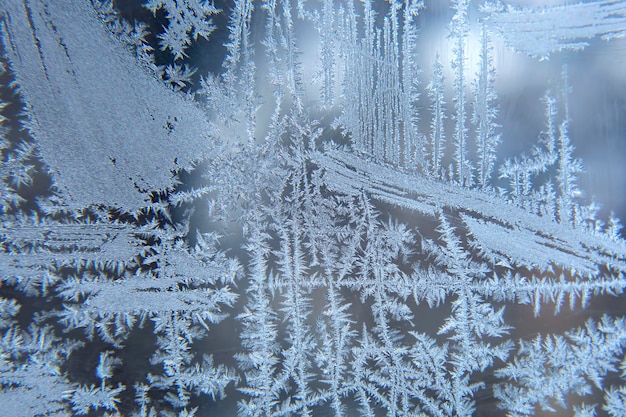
column 276, row 238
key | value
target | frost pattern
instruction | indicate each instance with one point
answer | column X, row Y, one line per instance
column 542, row 31
column 249, row 245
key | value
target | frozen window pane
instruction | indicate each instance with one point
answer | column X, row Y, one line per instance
column 329, row 207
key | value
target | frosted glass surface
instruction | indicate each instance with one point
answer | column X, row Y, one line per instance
column 312, row 208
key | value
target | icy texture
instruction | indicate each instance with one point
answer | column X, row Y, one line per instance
column 541, row 31
column 93, row 111
column 282, row 240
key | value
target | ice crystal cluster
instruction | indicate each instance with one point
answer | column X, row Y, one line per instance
column 311, row 225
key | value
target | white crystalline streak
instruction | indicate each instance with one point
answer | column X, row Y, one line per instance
column 104, row 126
column 540, row 32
